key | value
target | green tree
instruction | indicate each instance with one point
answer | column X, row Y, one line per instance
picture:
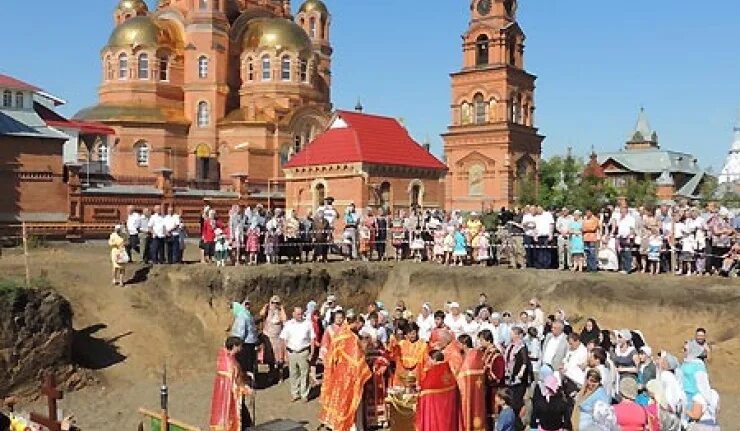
column 640, row 192
column 527, row 190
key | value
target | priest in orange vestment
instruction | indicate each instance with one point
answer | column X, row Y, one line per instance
column 438, row 407
column 409, row 355
column 228, row 390
column 471, row 383
column 345, row 374
column 450, row 347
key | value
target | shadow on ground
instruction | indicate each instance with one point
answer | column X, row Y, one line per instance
column 96, row 353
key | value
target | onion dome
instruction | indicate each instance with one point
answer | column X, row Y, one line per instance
column 314, row 5
column 277, row 33
column 141, row 31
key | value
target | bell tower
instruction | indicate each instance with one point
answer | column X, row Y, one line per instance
column 491, row 145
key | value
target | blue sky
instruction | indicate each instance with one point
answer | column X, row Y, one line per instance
column 597, row 62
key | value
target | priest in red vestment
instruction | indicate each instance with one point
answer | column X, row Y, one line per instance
column 438, row 407
column 471, row 383
column 345, row 374
column 228, row 390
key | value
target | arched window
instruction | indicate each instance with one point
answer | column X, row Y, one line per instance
column 101, row 152
column 203, row 4
column 164, row 66
column 266, row 72
column 143, row 66
column 250, row 69
column 203, row 67
column 284, row 154
column 481, row 50
column 492, row 109
column 122, row 66
column 203, row 115
column 512, row 52
column 19, row 100
column 141, row 149
column 108, row 68
column 480, row 109
column 285, row 68
column 319, row 195
column 7, row 99
column 465, row 115
column 475, row 180
column 203, row 162
column 304, row 71
column 385, row 195
column 415, row 196
column 312, row 28
column 516, row 108
column 297, row 143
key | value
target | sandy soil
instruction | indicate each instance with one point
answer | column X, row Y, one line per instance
column 128, row 334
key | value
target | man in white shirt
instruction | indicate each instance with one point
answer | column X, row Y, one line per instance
column 555, row 346
column 145, row 235
column 626, row 227
column 545, row 225
column 562, row 227
column 530, row 235
column 299, row 339
column 172, row 235
column 158, row 232
column 575, row 361
column 132, row 229
column 425, row 320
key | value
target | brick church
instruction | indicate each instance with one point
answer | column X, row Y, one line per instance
column 492, row 144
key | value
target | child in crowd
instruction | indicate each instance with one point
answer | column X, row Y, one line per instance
column 484, row 248
column 449, row 244
column 417, row 245
column 398, row 237
column 460, row 251
column 688, row 250
column 221, row 249
column 655, row 244
column 253, row 243
column 439, row 244
column 271, row 245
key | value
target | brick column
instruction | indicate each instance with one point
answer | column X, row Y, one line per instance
column 74, row 202
column 240, row 182
column 164, row 183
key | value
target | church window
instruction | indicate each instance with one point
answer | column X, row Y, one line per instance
column 143, row 66
column 492, row 109
column 481, row 50
column 203, row 115
column 415, row 196
column 122, row 66
column 203, row 4
column 512, row 52
column 319, row 195
column 480, row 109
column 141, row 149
column 475, row 180
column 285, row 68
column 19, row 100
column 266, row 72
column 164, row 65
column 7, row 99
column 284, row 154
column 297, row 143
column 203, row 67
column 108, row 68
column 102, row 153
column 516, row 108
column 385, row 195
column 465, row 116
column 304, row 71
column 250, row 69
column 312, row 27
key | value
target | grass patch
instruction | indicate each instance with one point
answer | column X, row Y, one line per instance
column 12, row 287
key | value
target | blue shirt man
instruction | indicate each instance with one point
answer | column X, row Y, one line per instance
column 244, row 326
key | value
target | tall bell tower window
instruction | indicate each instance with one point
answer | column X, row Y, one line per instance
column 122, row 66
column 266, row 73
column 481, row 50
column 480, row 109
column 203, row 67
column 143, row 66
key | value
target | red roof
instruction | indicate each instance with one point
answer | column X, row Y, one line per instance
column 369, row 139
column 53, row 119
column 16, row 84
column 593, row 168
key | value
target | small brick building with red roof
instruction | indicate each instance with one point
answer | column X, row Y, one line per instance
column 368, row 160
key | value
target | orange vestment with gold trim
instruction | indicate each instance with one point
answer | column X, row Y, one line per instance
column 345, row 374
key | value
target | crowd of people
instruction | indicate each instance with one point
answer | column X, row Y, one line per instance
column 469, row 369
column 681, row 239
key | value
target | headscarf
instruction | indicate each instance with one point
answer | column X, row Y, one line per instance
column 310, row 309
column 656, row 389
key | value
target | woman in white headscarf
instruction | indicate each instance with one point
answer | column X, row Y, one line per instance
column 236, row 232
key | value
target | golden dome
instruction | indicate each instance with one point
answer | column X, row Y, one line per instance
column 137, row 7
column 141, row 31
column 314, row 5
column 278, row 33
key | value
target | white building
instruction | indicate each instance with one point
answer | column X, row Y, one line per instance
column 731, row 171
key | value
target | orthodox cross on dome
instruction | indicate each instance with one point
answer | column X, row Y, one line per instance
column 52, row 395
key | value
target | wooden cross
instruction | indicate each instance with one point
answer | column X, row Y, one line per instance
column 52, row 395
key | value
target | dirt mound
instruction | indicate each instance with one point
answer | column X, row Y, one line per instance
column 36, row 336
